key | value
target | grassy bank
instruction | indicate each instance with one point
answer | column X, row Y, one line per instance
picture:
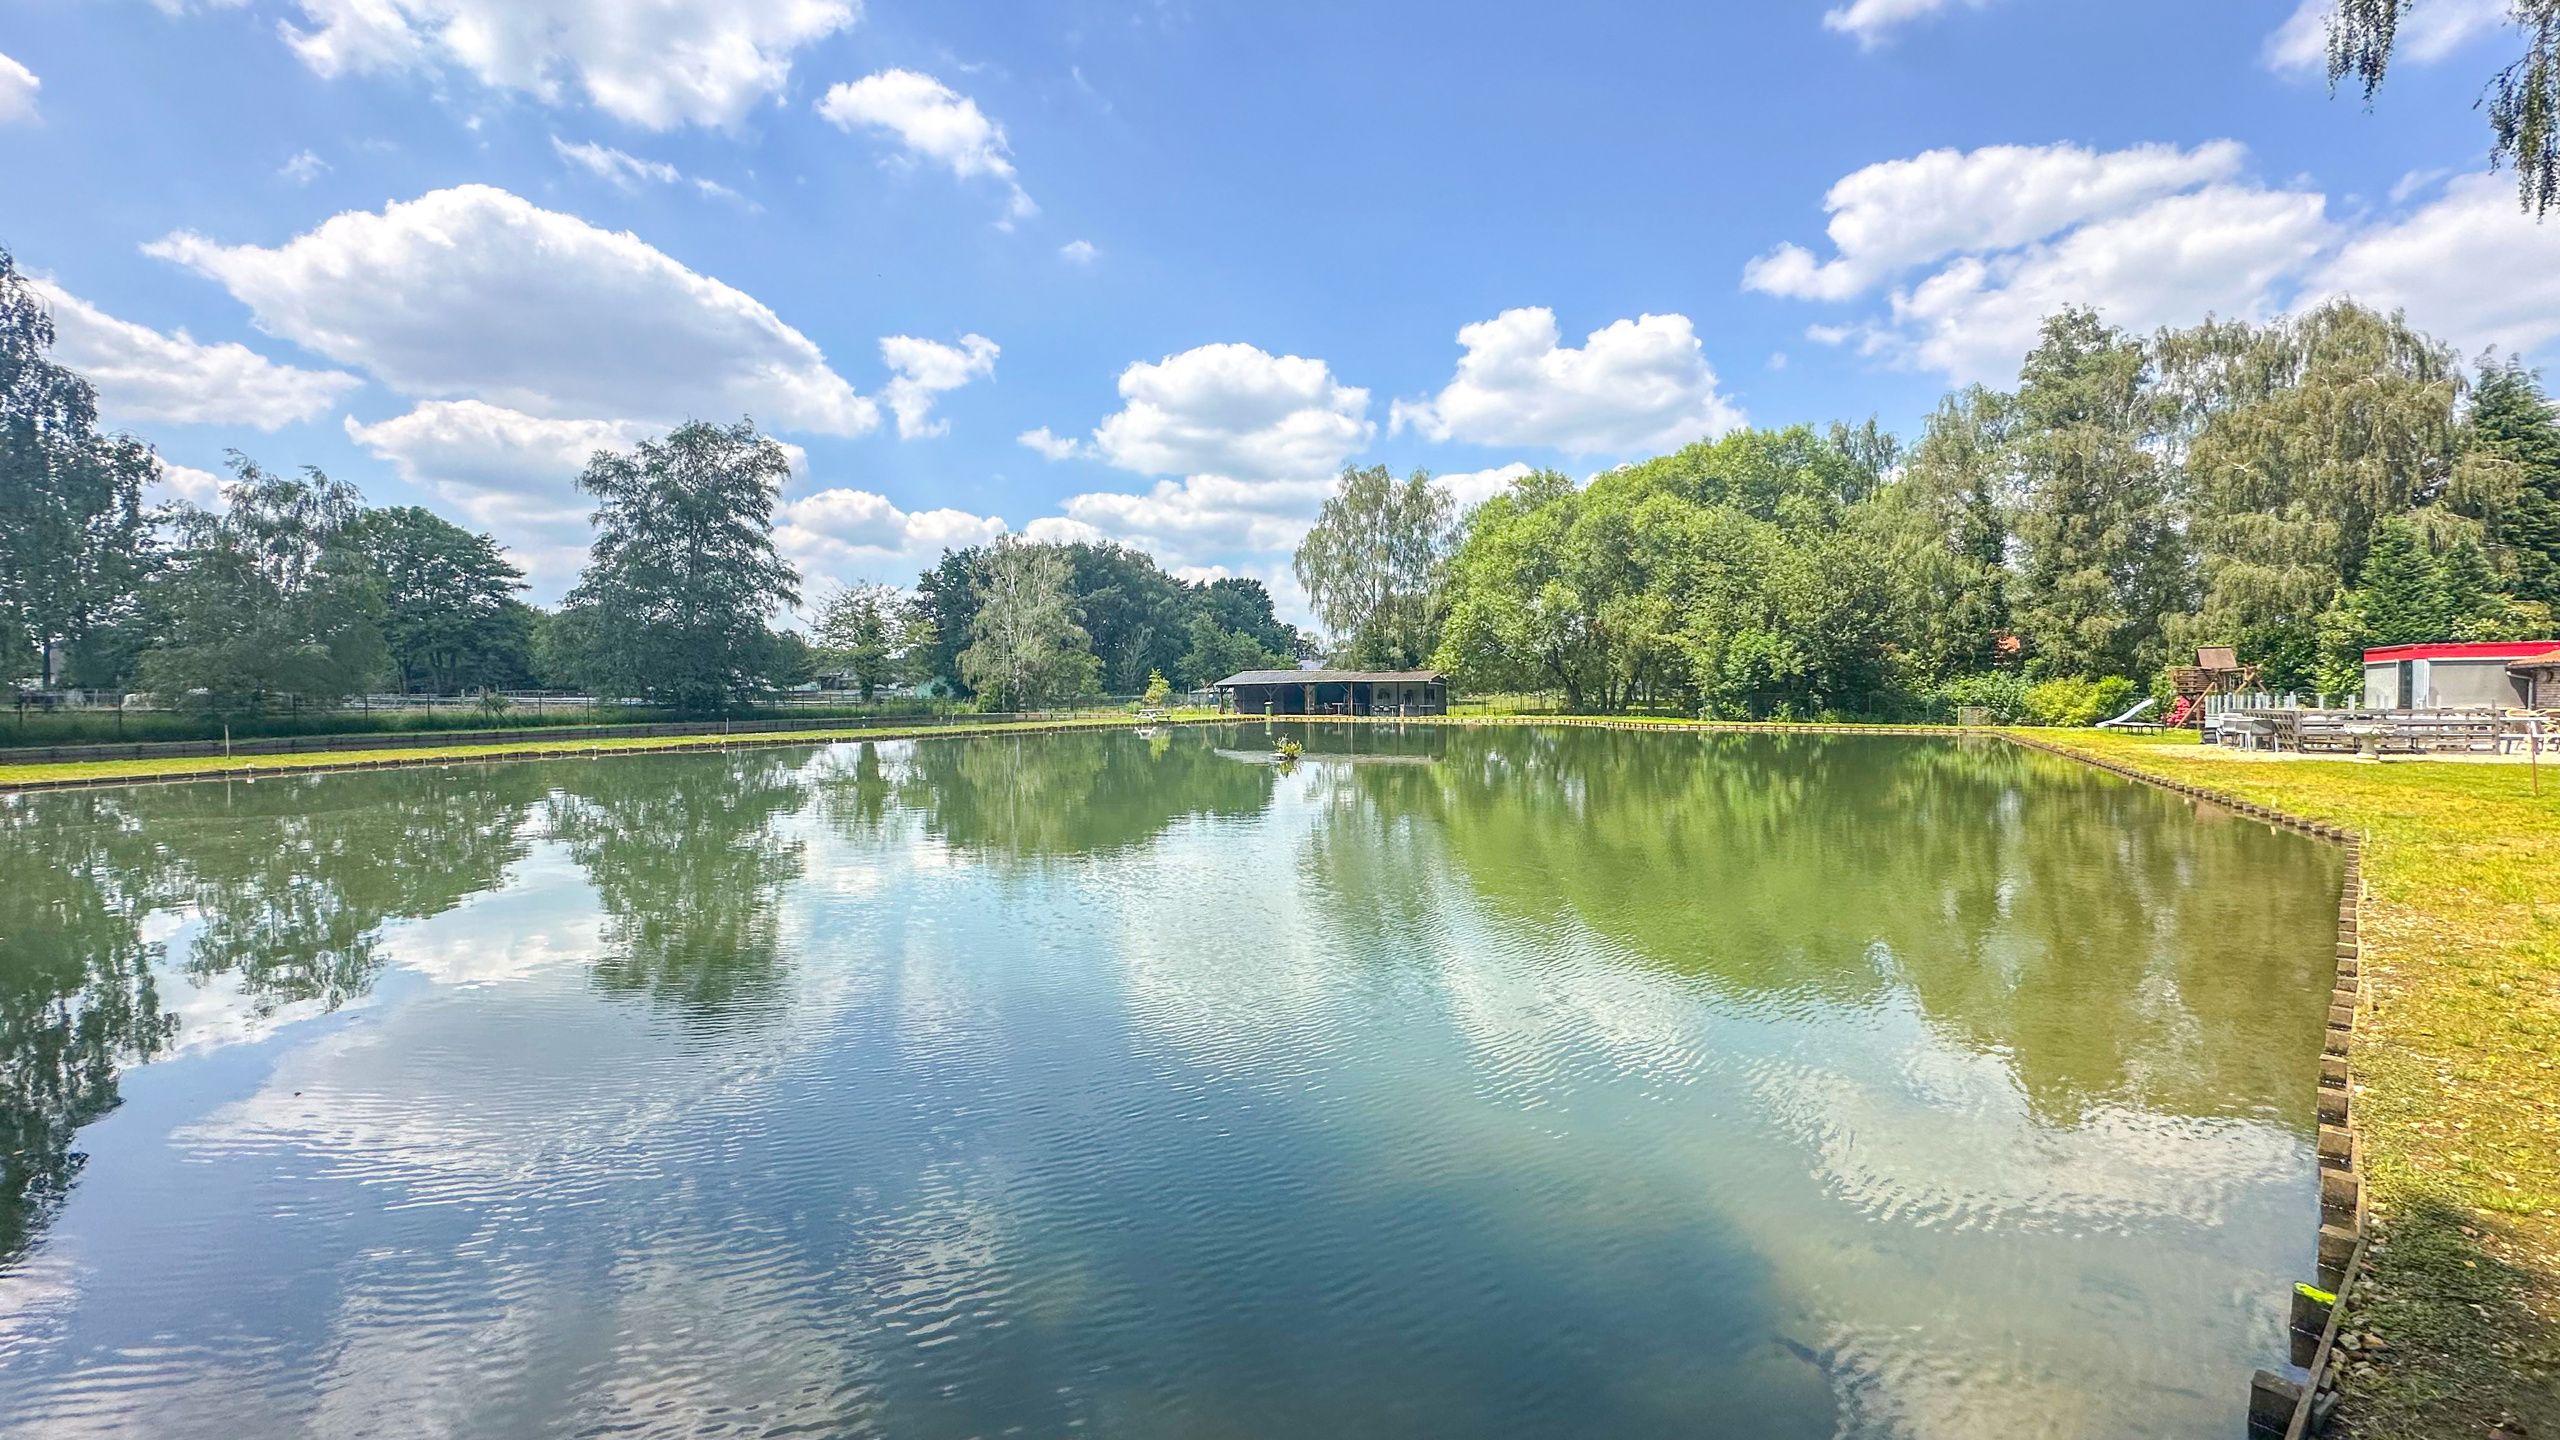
column 2457, row 1068
column 567, row 745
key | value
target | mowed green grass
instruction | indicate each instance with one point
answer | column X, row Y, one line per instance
column 2456, row 1067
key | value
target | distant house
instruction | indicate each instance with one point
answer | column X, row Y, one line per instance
column 1335, row 692
column 2504, row 674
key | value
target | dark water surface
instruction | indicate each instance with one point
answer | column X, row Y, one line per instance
column 1456, row 1082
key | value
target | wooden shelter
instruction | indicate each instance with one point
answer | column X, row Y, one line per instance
column 1335, row 692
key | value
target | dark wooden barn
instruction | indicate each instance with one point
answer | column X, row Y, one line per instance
column 1335, row 692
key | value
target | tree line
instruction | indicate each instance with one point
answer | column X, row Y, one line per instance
column 2298, row 488
column 295, row 589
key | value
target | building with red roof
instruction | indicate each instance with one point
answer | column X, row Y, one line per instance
column 2462, row 675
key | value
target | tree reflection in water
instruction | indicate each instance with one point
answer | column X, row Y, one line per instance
column 288, row 883
column 2025, row 908
column 688, row 860
column 2029, row 908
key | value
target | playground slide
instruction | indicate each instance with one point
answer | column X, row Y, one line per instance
column 2127, row 717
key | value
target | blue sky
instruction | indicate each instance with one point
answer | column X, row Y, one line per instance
column 1157, row 270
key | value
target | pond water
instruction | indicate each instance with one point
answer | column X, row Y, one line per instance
column 1495, row 1082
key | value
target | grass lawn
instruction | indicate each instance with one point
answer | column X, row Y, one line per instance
column 2457, row 1074
column 565, row 744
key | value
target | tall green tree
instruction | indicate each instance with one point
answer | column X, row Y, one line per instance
column 1026, row 648
column 683, row 569
column 450, row 615
column 1944, row 526
column 2100, row 552
column 2522, row 97
column 2513, row 427
column 2299, row 438
column 1578, row 592
column 1137, row 615
column 269, row 599
column 1213, row 652
column 2401, row 598
column 74, row 540
column 872, row 634
column 1242, row 605
column 947, row 597
column 1371, row 565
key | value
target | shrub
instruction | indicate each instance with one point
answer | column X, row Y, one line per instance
column 2002, row 697
column 2078, row 700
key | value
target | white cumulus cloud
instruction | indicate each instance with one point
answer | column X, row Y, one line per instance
column 1890, row 216
column 1202, row 517
column 931, row 121
column 149, row 375
column 1079, row 252
column 511, row 474
column 475, row 293
column 1471, row 488
column 2430, row 31
column 18, row 87
column 1051, row 445
column 2469, row 267
column 1234, row 409
column 1970, row 251
column 1634, row 385
column 926, row 368
column 200, row 488
column 1250, row 443
column 1869, row 21
column 2225, row 250
column 656, row 65
column 846, row 535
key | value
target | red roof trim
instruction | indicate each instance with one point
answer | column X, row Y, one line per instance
column 2466, row 650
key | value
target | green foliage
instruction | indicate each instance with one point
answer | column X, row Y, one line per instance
column 2077, row 700
column 1159, row 692
column 2301, row 437
column 874, row 636
column 74, row 540
column 450, row 617
column 1138, row 618
column 1371, row 566
column 2522, row 100
column 683, row 569
column 2000, row 695
column 268, row 599
column 2513, row 429
column 1722, row 579
column 2101, row 556
column 1027, row 650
